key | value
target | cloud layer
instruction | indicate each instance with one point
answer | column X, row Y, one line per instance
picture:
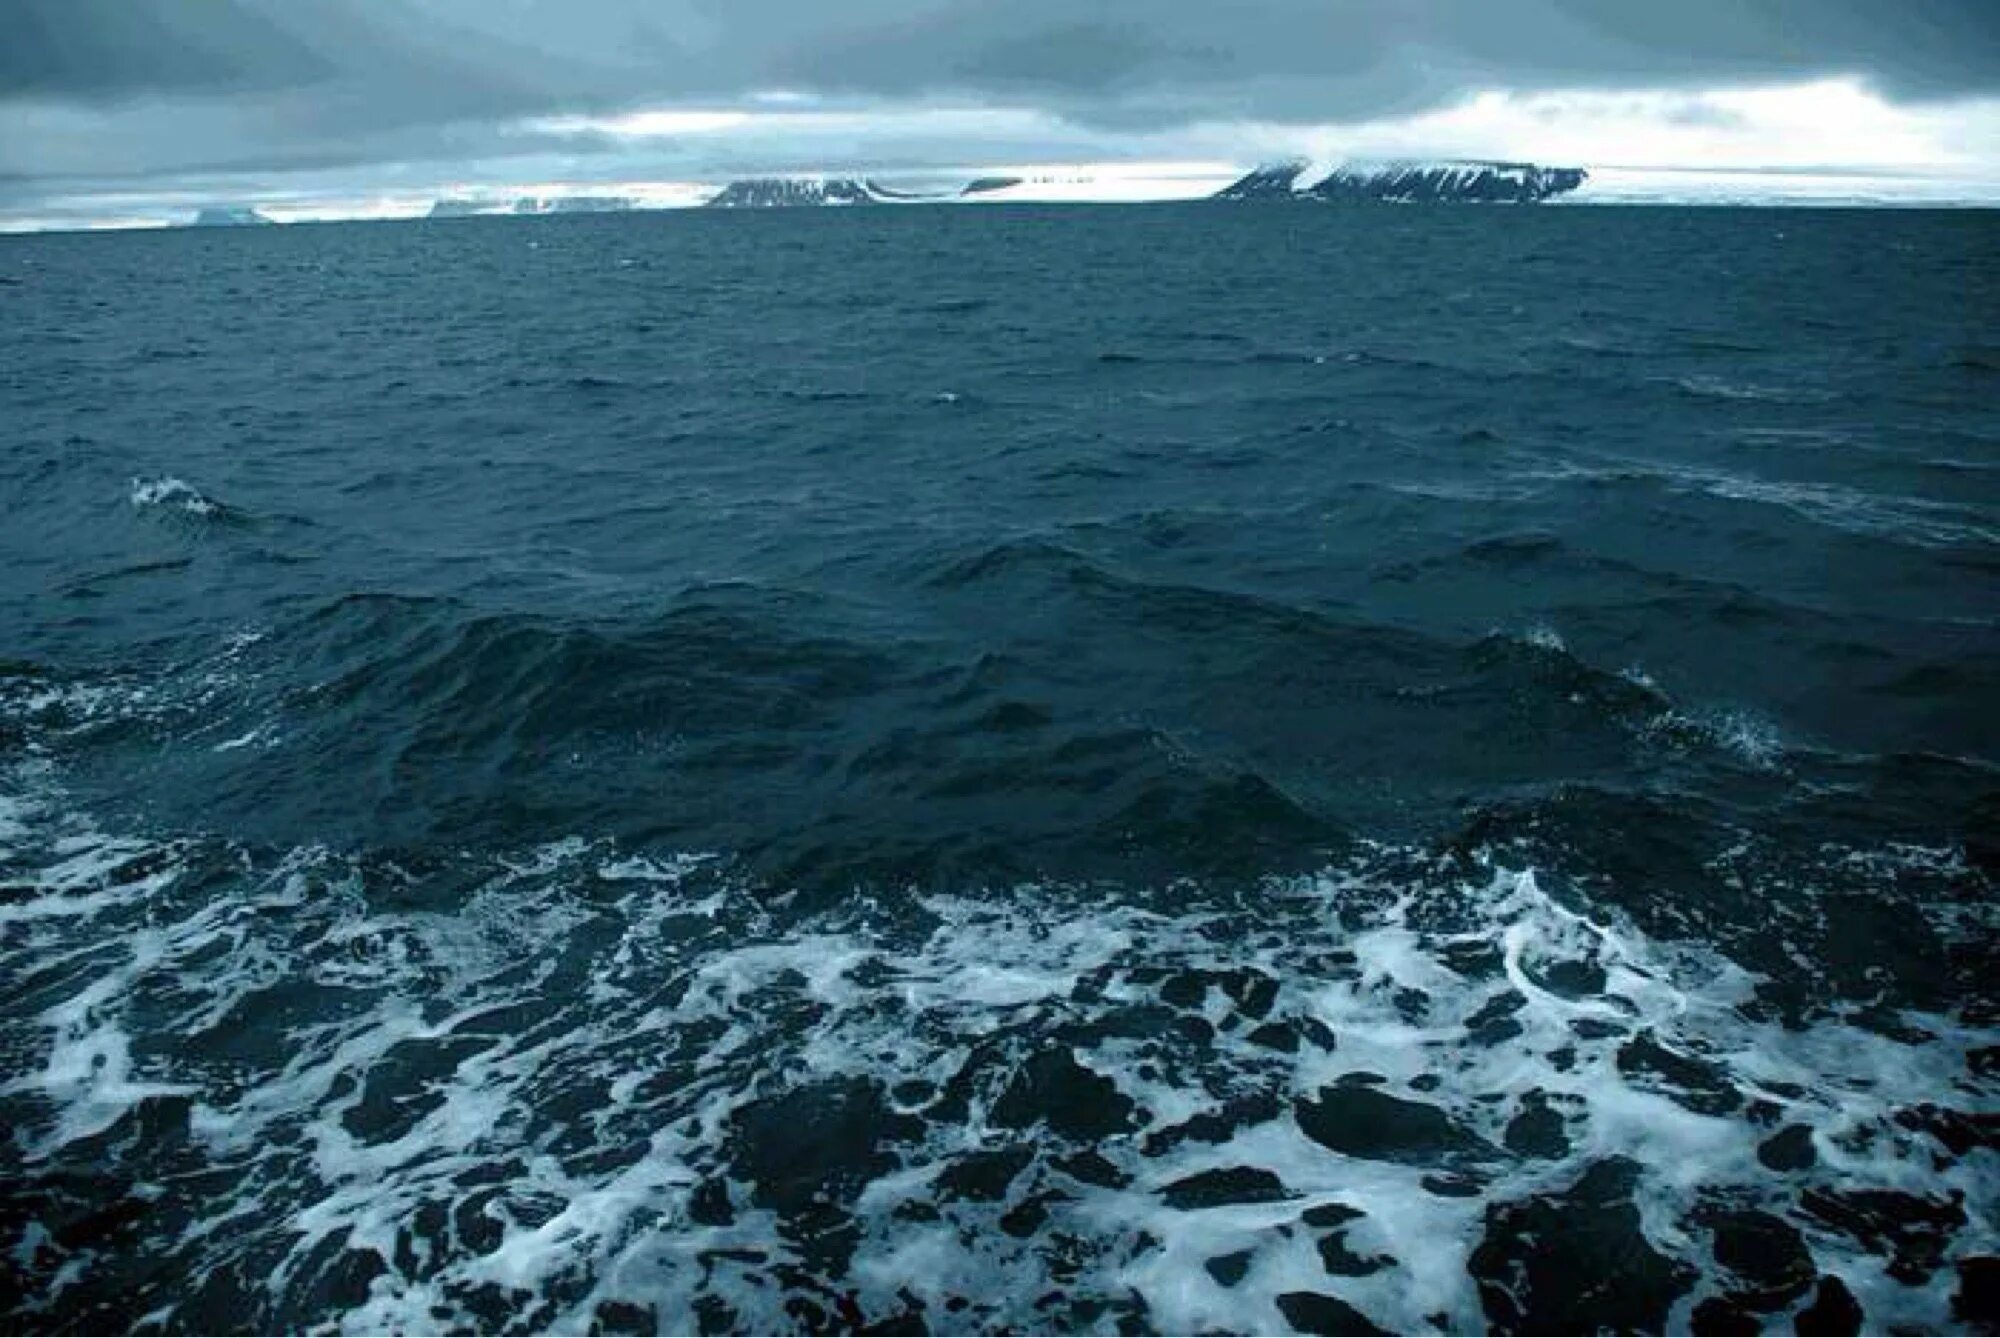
column 110, row 99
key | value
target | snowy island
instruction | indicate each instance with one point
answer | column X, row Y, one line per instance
column 1406, row 183
column 1295, row 181
column 1439, row 182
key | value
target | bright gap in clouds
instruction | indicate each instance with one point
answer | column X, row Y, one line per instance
column 1837, row 127
column 644, row 124
column 1828, row 125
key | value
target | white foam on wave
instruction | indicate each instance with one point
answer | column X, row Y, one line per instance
column 1922, row 521
column 1918, row 520
column 88, row 1073
column 260, row 736
column 1902, row 518
column 199, row 702
column 548, row 1072
column 1715, row 387
column 172, row 493
column 502, row 1062
column 1747, row 736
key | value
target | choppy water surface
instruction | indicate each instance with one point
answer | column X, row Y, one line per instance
column 1173, row 768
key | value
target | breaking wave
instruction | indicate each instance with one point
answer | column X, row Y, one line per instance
column 170, row 493
column 608, row 1088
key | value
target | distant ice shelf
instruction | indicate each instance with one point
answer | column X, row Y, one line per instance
column 1796, row 189
column 459, row 207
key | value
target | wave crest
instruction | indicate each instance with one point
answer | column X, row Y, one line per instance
column 609, row 1083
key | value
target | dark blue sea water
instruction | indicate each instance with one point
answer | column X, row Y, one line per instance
column 1182, row 768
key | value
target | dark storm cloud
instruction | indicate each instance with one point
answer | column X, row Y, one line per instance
column 443, row 56
column 1321, row 59
column 111, row 49
column 131, row 87
column 345, row 65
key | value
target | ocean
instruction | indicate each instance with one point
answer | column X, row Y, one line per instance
column 1185, row 768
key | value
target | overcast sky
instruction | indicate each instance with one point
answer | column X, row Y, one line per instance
column 127, row 108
